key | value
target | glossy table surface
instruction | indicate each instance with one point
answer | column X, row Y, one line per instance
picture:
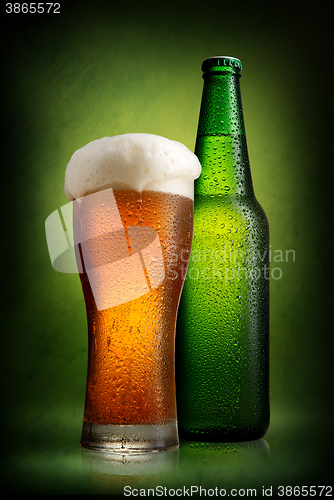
column 45, row 458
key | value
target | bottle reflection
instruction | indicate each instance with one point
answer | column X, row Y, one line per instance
column 208, row 465
column 222, row 464
column 110, row 472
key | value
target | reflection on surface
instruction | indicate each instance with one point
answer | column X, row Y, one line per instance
column 44, row 457
column 194, row 464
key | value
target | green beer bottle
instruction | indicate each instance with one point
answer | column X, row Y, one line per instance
column 222, row 341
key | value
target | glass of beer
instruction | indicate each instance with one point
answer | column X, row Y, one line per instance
column 132, row 221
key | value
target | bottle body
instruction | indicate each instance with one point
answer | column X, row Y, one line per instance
column 222, row 342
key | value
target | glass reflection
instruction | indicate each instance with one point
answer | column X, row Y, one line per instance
column 110, row 472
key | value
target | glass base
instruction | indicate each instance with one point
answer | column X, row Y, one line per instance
column 130, row 438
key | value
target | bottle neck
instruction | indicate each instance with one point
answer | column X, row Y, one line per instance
column 221, row 141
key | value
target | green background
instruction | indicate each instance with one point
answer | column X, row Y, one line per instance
column 99, row 70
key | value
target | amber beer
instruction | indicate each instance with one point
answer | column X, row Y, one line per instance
column 130, row 393
column 131, row 346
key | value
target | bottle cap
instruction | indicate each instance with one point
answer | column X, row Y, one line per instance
column 221, row 61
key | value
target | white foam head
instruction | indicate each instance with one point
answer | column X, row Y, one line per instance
column 132, row 161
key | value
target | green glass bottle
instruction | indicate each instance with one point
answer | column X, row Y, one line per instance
column 222, row 342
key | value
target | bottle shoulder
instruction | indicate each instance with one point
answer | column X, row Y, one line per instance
column 208, row 210
column 232, row 201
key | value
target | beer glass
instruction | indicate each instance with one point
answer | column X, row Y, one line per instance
column 132, row 244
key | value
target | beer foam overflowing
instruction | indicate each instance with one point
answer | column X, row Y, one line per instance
column 132, row 161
